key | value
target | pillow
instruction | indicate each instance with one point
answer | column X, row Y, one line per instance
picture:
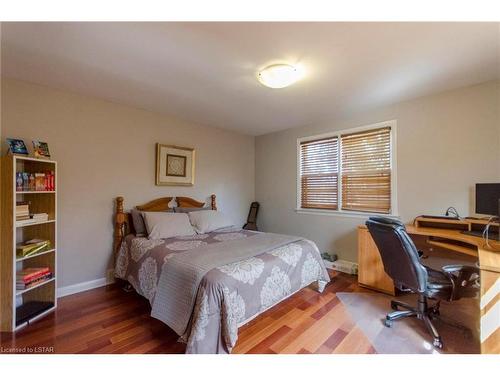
column 209, row 220
column 166, row 225
column 190, row 209
column 138, row 221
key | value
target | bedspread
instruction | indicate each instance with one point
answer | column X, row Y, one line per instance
column 228, row 294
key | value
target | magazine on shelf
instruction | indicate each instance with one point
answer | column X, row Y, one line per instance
column 32, row 247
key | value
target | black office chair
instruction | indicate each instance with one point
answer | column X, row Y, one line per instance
column 401, row 262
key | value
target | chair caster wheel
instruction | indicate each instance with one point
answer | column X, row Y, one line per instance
column 394, row 306
column 434, row 314
column 438, row 343
column 388, row 323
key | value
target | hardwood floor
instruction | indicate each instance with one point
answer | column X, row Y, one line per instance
column 109, row 320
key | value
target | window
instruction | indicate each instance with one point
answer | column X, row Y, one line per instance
column 319, row 171
column 349, row 171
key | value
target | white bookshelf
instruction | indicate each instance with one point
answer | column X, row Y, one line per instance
column 13, row 233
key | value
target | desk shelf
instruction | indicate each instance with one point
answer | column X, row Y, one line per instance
column 452, row 246
column 466, row 224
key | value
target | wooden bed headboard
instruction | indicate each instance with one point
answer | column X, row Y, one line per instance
column 123, row 220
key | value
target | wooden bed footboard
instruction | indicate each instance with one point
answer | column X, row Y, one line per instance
column 123, row 220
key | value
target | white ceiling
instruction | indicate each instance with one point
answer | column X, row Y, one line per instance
column 205, row 72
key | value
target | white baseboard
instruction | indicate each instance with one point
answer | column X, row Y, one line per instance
column 81, row 287
column 328, row 264
column 342, row 266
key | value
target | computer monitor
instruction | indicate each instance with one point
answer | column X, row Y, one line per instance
column 488, row 199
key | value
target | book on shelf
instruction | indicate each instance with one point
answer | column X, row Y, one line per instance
column 32, row 247
column 22, row 285
column 28, row 310
column 25, row 222
column 41, row 279
column 28, row 277
column 33, row 279
column 40, row 217
column 27, row 274
column 32, row 219
column 22, row 210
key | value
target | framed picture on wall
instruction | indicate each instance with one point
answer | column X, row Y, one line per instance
column 174, row 165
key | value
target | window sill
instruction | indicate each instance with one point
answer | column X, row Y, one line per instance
column 352, row 214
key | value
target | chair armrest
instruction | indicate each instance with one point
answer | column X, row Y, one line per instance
column 463, row 278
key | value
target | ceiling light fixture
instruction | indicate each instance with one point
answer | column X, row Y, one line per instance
column 279, row 75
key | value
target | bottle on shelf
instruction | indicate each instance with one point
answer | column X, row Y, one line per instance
column 19, row 181
column 26, row 181
column 31, row 185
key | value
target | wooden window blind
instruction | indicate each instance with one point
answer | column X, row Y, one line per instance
column 366, row 171
column 319, row 169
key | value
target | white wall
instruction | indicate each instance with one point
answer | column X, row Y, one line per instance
column 105, row 150
column 445, row 144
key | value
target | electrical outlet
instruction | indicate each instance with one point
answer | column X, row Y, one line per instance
column 110, row 276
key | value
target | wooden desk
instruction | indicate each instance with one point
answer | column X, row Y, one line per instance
column 372, row 274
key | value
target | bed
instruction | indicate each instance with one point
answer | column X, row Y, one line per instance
column 205, row 286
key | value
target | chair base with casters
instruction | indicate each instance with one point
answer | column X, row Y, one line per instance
column 421, row 312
